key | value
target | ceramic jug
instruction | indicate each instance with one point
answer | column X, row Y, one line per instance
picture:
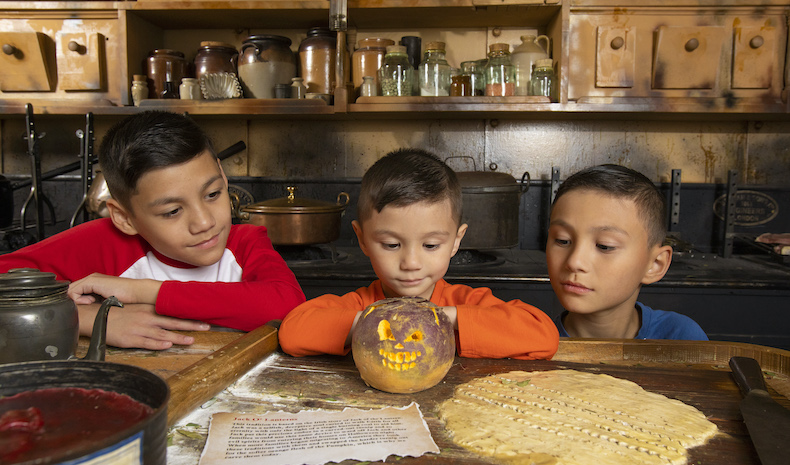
column 264, row 62
column 524, row 57
column 38, row 320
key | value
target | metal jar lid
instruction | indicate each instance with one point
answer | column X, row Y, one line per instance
column 26, row 283
column 281, row 40
column 293, row 204
column 487, row 181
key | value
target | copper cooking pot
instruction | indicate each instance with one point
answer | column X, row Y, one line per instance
column 293, row 220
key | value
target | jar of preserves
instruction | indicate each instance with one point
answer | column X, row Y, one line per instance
column 264, row 61
column 474, row 69
column 543, row 81
column 214, row 58
column 461, row 86
column 524, row 57
column 499, row 72
column 367, row 59
column 434, row 71
column 158, row 63
column 317, row 60
column 396, row 74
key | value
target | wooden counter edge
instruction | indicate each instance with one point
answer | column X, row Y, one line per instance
column 204, row 379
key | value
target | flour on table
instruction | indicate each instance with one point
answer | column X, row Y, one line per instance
column 572, row 417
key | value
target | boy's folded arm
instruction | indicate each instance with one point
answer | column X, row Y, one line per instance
column 321, row 326
column 127, row 290
column 243, row 305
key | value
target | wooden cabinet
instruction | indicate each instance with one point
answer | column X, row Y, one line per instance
column 726, row 58
column 62, row 55
column 637, row 56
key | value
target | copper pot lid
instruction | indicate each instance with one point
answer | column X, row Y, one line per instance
column 293, row 204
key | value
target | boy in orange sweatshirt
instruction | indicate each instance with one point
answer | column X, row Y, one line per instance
column 409, row 225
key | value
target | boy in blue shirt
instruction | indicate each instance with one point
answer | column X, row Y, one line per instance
column 605, row 241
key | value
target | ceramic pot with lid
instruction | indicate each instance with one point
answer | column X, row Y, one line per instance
column 317, row 60
column 491, row 203
column 163, row 64
column 293, row 220
column 38, row 320
column 265, row 61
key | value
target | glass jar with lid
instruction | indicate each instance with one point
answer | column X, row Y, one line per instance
column 499, row 72
column 396, row 74
column 474, row 69
column 543, row 81
column 434, row 71
column 367, row 59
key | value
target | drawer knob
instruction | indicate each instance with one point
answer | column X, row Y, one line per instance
column 617, row 43
column 692, row 45
column 9, row 49
column 756, row 42
column 74, row 46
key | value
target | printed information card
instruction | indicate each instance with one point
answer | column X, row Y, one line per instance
column 316, row 436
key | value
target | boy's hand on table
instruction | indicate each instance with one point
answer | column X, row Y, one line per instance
column 139, row 326
column 128, row 291
column 452, row 314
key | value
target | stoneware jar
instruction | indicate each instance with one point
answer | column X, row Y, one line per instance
column 139, row 89
column 317, row 60
column 159, row 63
column 265, row 61
column 367, row 60
column 215, row 57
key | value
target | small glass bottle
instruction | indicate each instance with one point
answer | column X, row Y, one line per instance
column 500, row 74
column 298, row 89
column 368, row 87
column 189, row 89
column 139, row 88
column 434, row 71
column 170, row 88
column 475, row 73
column 396, row 73
column 461, row 86
column 543, row 82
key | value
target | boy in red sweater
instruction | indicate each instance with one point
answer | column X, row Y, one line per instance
column 409, row 225
column 168, row 251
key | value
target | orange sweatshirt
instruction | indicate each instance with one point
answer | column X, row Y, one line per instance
column 487, row 326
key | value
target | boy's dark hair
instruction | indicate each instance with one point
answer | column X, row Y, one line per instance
column 625, row 183
column 405, row 177
column 144, row 142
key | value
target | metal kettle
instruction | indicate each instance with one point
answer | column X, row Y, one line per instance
column 38, row 321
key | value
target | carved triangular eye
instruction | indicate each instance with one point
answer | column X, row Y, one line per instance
column 414, row 337
column 385, row 332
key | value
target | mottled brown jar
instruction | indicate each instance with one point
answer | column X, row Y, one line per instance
column 215, row 57
column 161, row 63
column 317, row 60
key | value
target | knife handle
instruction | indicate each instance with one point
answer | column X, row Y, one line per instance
column 747, row 373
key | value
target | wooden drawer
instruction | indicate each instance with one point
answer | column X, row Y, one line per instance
column 654, row 52
column 65, row 55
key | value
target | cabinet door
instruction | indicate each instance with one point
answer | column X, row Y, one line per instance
column 614, row 60
column 687, row 57
column 25, row 62
column 80, row 60
column 753, row 57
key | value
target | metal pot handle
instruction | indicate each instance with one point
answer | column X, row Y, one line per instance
column 525, row 181
column 344, row 196
column 474, row 165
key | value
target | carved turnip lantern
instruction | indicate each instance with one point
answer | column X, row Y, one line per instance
column 403, row 344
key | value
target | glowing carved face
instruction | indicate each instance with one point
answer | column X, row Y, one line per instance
column 403, row 344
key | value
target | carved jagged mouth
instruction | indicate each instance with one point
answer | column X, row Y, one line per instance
column 399, row 361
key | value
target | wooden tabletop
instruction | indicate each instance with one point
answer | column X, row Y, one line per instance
column 696, row 373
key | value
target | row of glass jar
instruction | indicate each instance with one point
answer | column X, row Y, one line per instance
column 496, row 75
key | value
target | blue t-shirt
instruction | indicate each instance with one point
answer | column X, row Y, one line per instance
column 657, row 324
